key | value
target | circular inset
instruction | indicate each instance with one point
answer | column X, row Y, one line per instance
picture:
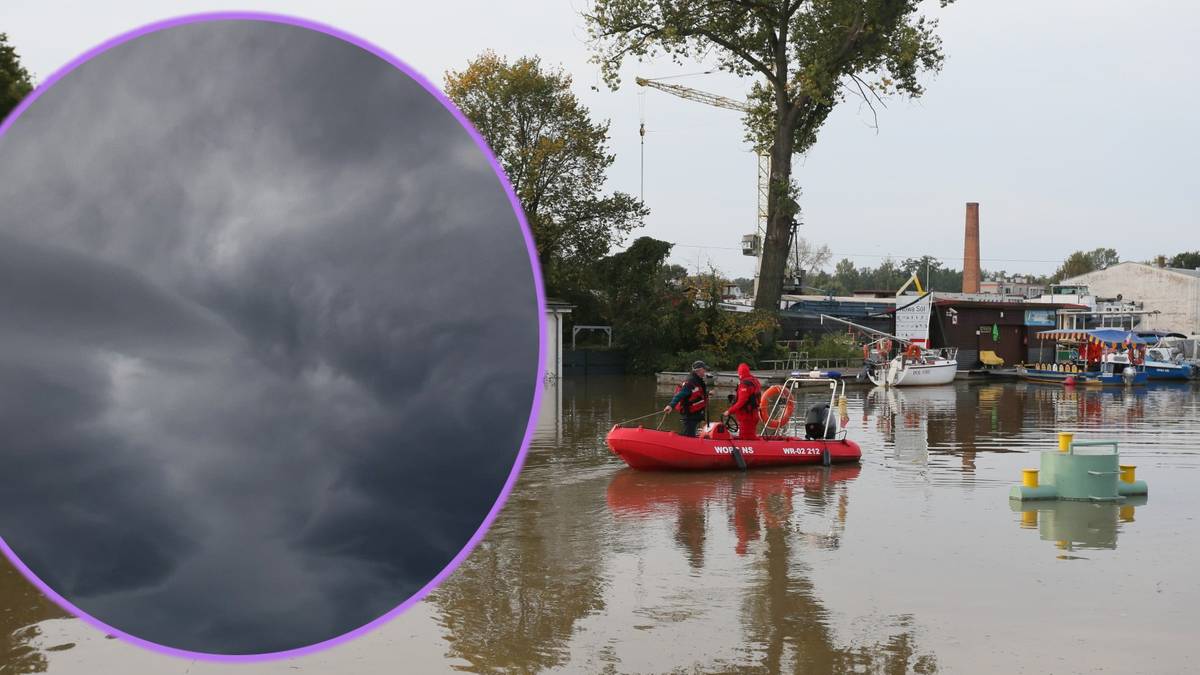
column 270, row 336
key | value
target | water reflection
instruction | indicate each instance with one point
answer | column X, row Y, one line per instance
column 752, row 502
column 774, row 516
column 22, row 607
column 595, row 568
column 1077, row 526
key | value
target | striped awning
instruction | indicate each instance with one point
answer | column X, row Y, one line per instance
column 1108, row 337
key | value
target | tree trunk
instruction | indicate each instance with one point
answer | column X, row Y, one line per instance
column 775, row 244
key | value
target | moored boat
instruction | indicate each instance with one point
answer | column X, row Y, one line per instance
column 1090, row 359
column 1107, row 376
column 916, row 366
column 1158, row 364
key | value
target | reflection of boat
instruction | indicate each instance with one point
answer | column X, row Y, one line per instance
column 651, row 449
column 754, row 502
column 1076, row 525
column 715, row 448
column 640, row 493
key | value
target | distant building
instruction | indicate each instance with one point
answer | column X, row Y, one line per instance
column 1006, row 328
column 801, row 314
column 556, row 316
column 1014, row 286
column 1168, row 298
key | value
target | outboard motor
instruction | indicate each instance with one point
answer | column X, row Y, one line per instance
column 815, row 420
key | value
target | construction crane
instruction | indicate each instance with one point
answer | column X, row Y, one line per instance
column 751, row 243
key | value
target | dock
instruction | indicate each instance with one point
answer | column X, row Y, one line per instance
column 729, row 379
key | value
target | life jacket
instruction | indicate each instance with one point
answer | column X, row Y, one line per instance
column 694, row 403
column 755, row 399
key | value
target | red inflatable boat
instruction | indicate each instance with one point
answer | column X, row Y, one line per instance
column 649, row 449
column 665, row 450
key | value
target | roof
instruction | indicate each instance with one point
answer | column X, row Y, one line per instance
column 1109, row 337
column 558, row 305
column 1194, row 274
column 984, row 304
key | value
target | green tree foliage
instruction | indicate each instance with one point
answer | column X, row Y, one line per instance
column 556, row 158
column 1082, row 262
column 846, row 278
column 1188, row 260
column 663, row 319
column 806, row 56
column 15, row 82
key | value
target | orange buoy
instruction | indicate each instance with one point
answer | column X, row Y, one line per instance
column 913, row 352
column 767, row 401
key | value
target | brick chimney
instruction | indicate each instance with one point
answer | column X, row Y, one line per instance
column 970, row 275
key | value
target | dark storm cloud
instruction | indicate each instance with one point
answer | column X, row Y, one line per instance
column 269, row 337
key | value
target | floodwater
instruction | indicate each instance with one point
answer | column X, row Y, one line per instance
column 913, row 561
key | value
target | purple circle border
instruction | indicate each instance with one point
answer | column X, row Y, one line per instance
column 535, row 268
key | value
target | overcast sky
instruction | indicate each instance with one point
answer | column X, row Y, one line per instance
column 1071, row 122
column 269, row 337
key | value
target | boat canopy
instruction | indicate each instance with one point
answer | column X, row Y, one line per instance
column 1109, row 337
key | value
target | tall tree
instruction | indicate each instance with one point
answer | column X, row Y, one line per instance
column 805, row 258
column 1189, row 260
column 15, row 82
column 1082, row 262
column 555, row 157
column 807, row 55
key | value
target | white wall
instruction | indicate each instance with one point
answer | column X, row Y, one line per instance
column 554, row 342
column 1176, row 296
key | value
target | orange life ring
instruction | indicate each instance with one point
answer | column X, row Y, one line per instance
column 765, row 404
column 886, row 347
column 913, row 352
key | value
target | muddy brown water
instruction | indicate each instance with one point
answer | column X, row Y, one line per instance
column 912, row 561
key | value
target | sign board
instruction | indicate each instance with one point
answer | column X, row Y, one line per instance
column 1039, row 317
column 912, row 320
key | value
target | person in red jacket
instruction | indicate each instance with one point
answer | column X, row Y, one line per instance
column 745, row 408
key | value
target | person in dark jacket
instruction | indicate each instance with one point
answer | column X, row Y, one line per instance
column 691, row 399
column 745, row 408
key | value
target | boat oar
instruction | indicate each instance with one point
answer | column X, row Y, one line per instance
column 737, row 453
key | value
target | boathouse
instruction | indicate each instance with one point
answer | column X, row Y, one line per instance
column 1005, row 328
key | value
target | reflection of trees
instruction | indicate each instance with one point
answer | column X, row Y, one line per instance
column 21, row 606
column 789, row 621
column 513, row 604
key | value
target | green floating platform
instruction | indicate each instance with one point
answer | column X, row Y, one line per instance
column 1087, row 471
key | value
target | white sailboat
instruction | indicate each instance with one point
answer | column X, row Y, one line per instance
column 914, row 366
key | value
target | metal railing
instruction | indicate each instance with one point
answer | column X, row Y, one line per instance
column 804, row 364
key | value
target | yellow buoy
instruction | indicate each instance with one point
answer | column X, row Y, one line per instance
column 1127, row 472
column 1064, row 441
column 1029, row 478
